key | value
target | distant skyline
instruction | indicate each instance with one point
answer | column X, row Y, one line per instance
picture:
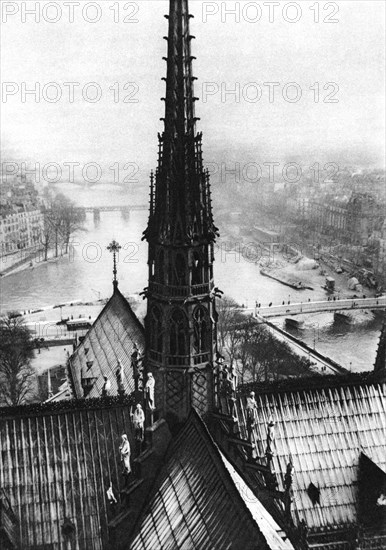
column 349, row 53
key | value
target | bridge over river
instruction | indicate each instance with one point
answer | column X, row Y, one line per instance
column 114, row 208
column 322, row 364
column 319, row 306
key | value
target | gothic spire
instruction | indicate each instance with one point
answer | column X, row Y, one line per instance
column 179, row 108
column 181, row 309
column 182, row 210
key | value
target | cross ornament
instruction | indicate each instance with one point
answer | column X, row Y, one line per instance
column 114, row 247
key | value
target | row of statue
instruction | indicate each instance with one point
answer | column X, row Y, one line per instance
column 138, row 422
column 136, row 361
column 149, row 386
column 138, row 415
column 226, row 385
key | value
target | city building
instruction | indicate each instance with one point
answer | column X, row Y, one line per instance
column 20, row 228
column 21, row 219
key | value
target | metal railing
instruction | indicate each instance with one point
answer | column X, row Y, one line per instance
column 319, row 306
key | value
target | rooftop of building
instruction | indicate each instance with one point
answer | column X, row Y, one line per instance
column 199, row 500
column 323, row 429
column 112, row 338
column 57, row 462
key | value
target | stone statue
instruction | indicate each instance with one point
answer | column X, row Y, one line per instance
column 106, row 386
column 110, row 495
column 124, row 449
column 270, row 432
column 135, row 360
column 288, row 476
column 231, row 390
column 138, row 422
column 149, row 391
column 120, row 374
column 251, row 407
column 270, row 438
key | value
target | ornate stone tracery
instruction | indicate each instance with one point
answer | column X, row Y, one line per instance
column 180, row 322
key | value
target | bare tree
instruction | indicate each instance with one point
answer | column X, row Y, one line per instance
column 251, row 352
column 56, row 222
column 46, row 235
column 16, row 352
column 70, row 219
column 229, row 319
column 226, row 311
column 265, row 357
column 253, row 348
column 61, row 220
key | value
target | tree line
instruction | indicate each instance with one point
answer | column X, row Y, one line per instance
column 61, row 220
column 250, row 346
column 16, row 351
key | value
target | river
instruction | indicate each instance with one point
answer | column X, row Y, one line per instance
column 86, row 275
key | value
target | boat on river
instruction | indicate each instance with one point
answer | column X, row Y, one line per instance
column 296, row 285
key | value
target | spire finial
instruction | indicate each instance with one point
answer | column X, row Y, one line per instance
column 114, row 247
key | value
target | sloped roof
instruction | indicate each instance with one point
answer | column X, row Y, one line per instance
column 111, row 338
column 56, row 464
column 200, row 501
column 324, row 430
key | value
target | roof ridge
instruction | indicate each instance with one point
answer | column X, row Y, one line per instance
column 131, row 328
column 118, row 293
column 67, row 405
column 311, row 383
column 128, row 306
column 218, row 455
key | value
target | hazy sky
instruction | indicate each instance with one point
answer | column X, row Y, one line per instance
column 349, row 53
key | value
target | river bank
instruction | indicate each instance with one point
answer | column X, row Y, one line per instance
column 86, row 277
column 32, row 261
column 292, row 271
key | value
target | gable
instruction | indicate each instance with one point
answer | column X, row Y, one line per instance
column 109, row 340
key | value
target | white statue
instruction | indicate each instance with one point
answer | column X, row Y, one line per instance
column 120, row 374
column 149, row 388
column 270, row 431
column 125, row 454
column 138, row 422
column 110, row 495
column 106, row 386
column 251, row 406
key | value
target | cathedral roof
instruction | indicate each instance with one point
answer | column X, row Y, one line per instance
column 323, row 430
column 200, row 501
column 109, row 340
column 57, row 461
